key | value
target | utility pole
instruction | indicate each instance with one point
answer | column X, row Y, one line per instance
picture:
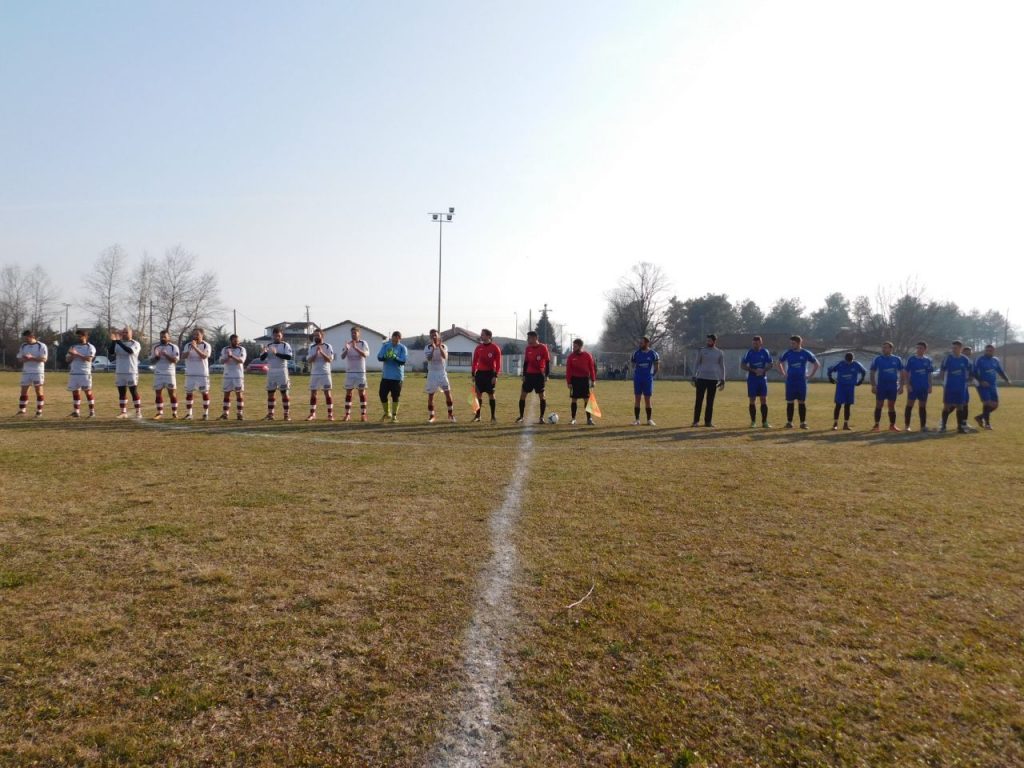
column 150, row 322
column 234, row 322
column 307, row 317
column 67, row 315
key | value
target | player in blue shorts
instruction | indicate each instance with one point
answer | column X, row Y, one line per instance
column 957, row 371
column 886, row 384
column 793, row 365
column 645, row 367
column 965, row 410
column 917, row 380
column 847, row 374
column 757, row 362
column 987, row 371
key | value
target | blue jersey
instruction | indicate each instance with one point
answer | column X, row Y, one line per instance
column 393, row 356
column 796, row 361
column 757, row 358
column 888, row 368
column 957, row 370
column 988, row 370
column 919, row 371
column 847, row 374
column 643, row 364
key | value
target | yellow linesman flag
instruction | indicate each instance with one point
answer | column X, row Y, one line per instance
column 474, row 401
column 592, row 407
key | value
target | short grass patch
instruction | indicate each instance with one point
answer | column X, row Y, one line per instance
column 297, row 594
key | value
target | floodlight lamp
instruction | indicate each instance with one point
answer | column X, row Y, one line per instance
column 435, row 217
column 449, row 217
column 451, row 211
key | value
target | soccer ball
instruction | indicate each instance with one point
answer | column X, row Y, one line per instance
column 552, row 418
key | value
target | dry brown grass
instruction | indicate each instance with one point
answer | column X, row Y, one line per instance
column 223, row 594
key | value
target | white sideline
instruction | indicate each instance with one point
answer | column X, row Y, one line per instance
column 472, row 734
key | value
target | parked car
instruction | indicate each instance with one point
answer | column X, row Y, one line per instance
column 145, row 367
column 102, row 363
column 257, row 366
column 217, row 368
column 180, row 367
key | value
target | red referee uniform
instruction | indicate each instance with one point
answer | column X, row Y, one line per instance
column 487, row 357
column 580, row 365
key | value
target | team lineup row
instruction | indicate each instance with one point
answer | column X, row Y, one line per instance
column 889, row 374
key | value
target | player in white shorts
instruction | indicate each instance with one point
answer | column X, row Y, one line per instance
column 437, row 375
column 319, row 357
column 33, row 356
column 80, row 357
column 277, row 354
column 124, row 351
column 196, row 354
column 164, row 356
column 354, row 354
column 233, row 358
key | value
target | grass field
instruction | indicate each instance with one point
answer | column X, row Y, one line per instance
column 253, row 594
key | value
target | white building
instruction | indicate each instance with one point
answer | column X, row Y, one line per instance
column 339, row 334
column 461, row 344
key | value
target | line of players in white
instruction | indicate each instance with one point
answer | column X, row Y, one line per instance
column 914, row 375
column 196, row 355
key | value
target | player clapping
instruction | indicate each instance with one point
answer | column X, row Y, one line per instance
column 319, row 357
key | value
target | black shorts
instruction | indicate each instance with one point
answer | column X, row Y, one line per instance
column 391, row 387
column 484, row 381
column 533, row 382
column 580, row 386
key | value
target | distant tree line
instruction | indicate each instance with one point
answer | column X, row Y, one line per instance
column 168, row 292
column 642, row 305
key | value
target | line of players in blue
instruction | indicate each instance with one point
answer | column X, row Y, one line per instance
column 889, row 375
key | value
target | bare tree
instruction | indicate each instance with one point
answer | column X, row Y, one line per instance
column 41, row 297
column 183, row 298
column 140, row 295
column 636, row 308
column 904, row 315
column 105, row 285
column 26, row 299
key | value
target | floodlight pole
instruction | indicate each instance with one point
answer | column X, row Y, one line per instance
column 442, row 218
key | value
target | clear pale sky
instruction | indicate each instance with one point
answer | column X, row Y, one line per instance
column 760, row 149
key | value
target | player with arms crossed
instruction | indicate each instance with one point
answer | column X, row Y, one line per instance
column 393, row 354
column 354, row 354
column 847, row 374
column 320, row 356
column 33, row 356
column 124, row 351
column 886, row 384
column 233, row 359
column 536, row 369
column 277, row 354
column 196, row 355
column 485, row 369
column 164, row 357
column 757, row 362
column 957, row 371
column 917, row 380
column 437, row 375
column 646, row 363
column 793, row 365
column 987, row 370
column 80, row 357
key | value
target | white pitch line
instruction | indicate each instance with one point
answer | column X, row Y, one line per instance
column 471, row 738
